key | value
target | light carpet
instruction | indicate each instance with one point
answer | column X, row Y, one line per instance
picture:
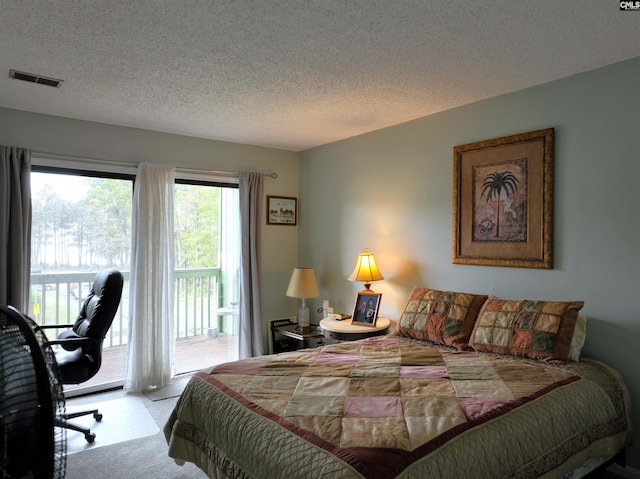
column 123, row 419
column 142, row 458
column 174, row 389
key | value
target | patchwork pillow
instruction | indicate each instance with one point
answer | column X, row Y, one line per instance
column 444, row 317
column 534, row 329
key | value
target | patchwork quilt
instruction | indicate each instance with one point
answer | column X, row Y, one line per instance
column 390, row 407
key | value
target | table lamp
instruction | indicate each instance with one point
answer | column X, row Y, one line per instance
column 303, row 285
column 366, row 270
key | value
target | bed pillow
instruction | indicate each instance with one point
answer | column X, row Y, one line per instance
column 534, row 329
column 444, row 317
column 579, row 336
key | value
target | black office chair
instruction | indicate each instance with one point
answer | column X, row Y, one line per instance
column 81, row 354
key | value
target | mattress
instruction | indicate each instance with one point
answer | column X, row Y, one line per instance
column 394, row 407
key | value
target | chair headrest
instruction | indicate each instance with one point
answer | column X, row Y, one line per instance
column 100, row 307
column 107, row 281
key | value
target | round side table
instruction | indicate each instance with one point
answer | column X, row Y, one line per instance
column 345, row 331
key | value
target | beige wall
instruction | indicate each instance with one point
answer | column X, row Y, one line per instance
column 391, row 191
column 107, row 142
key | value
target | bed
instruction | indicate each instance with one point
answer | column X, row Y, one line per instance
column 432, row 399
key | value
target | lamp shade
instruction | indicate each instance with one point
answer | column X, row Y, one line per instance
column 303, row 284
column 366, row 269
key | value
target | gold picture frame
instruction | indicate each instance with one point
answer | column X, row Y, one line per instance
column 503, row 201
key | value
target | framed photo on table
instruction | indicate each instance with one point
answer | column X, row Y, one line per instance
column 503, row 201
column 282, row 210
column 365, row 311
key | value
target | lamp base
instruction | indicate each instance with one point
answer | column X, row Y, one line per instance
column 303, row 318
column 367, row 289
column 304, row 329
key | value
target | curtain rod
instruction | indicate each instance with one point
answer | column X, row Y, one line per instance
column 55, row 156
column 222, row 172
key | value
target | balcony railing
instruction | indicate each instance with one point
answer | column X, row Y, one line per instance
column 56, row 298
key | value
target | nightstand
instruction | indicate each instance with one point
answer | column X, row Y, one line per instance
column 287, row 338
column 345, row 331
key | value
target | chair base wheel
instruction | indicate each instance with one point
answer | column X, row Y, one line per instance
column 61, row 421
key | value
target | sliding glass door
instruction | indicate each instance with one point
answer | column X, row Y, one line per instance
column 207, row 268
column 82, row 224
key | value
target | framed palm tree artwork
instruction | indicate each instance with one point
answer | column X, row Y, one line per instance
column 503, row 201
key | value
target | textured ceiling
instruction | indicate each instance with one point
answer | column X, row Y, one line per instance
column 294, row 74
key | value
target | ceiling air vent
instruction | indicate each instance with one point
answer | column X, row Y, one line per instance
column 32, row 78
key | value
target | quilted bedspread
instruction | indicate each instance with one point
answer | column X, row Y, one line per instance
column 390, row 407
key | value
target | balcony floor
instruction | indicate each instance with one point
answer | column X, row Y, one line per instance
column 191, row 354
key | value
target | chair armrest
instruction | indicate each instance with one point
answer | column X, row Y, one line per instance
column 71, row 341
column 54, row 326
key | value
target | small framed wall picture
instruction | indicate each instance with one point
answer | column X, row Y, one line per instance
column 282, row 210
column 365, row 311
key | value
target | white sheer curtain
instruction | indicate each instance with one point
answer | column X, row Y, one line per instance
column 151, row 298
column 250, row 336
column 15, row 226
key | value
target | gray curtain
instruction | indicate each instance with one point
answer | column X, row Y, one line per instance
column 15, row 226
column 250, row 331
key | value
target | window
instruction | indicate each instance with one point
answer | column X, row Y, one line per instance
column 207, row 268
column 82, row 224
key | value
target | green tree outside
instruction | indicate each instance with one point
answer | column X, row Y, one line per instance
column 91, row 227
